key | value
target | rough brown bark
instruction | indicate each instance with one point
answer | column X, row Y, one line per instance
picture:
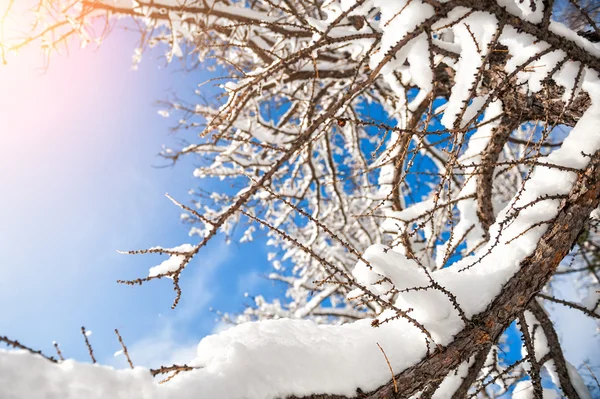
column 485, row 178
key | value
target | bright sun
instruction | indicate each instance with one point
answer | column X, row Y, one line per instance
column 14, row 22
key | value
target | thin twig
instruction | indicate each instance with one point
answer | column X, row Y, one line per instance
column 390, row 367
column 58, row 352
column 18, row 345
column 124, row 348
column 87, row 343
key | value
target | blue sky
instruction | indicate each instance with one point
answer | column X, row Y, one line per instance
column 79, row 181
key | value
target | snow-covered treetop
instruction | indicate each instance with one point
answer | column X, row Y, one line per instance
column 422, row 168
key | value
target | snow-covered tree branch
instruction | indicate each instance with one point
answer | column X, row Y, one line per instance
column 424, row 170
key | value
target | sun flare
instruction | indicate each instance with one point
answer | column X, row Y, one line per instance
column 13, row 23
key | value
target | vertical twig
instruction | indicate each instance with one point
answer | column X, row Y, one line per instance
column 124, row 348
column 58, row 352
column 390, row 367
column 87, row 343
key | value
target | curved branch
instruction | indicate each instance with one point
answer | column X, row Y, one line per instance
column 555, row 349
column 485, row 178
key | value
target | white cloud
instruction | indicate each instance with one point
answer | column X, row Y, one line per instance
column 166, row 347
column 249, row 282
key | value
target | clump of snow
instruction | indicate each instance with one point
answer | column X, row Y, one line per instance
column 522, row 47
column 452, row 381
column 174, row 262
column 578, row 383
column 267, row 359
column 574, row 376
column 538, row 338
column 524, row 390
column 592, row 300
column 23, row 375
column 398, row 18
column 474, row 37
column 405, row 274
